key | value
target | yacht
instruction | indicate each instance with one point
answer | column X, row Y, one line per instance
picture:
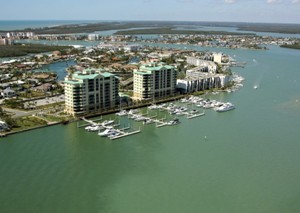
column 122, row 113
column 94, row 128
column 140, row 118
column 225, row 107
column 153, row 106
column 148, row 121
column 107, row 122
column 113, row 134
column 194, row 111
column 174, row 122
column 106, row 132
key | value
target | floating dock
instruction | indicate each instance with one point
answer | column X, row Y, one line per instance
column 124, row 134
column 195, row 115
column 88, row 122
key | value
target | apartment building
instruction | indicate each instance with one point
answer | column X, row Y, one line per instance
column 90, row 90
column 154, row 80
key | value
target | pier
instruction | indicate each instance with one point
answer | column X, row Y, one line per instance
column 190, row 116
column 124, row 134
column 88, row 122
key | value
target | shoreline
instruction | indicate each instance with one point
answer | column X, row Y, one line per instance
column 108, row 112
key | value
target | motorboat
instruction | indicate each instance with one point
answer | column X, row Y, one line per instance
column 122, row 113
column 225, row 107
column 175, row 121
column 140, row 118
column 153, row 106
column 94, row 128
column 194, row 111
column 113, row 134
column 107, row 122
column 148, row 121
column 106, row 132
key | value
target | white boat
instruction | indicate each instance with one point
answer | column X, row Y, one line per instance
column 255, row 87
column 175, row 121
column 113, row 134
column 94, row 128
column 140, row 118
column 106, row 132
column 153, row 106
column 107, row 122
column 225, row 107
column 148, row 121
column 194, row 111
column 133, row 111
column 122, row 113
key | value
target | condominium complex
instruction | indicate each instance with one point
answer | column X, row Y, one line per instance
column 90, row 90
column 203, row 82
column 202, row 65
column 154, row 80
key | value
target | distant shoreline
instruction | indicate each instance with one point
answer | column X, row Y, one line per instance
column 86, row 27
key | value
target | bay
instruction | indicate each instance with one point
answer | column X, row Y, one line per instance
column 245, row 160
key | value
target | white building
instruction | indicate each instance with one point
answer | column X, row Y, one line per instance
column 218, row 57
column 132, row 47
column 154, row 80
column 206, row 66
column 91, row 90
column 93, row 37
column 204, row 82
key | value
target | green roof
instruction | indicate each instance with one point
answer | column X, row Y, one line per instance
column 107, row 74
column 85, row 76
column 143, row 73
column 73, row 82
column 153, row 67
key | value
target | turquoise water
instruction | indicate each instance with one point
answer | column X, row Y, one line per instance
column 245, row 160
column 59, row 68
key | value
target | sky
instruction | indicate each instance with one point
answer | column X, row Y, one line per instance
column 273, row 11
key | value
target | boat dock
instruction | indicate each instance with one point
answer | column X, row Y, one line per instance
column 88, row 122
column 190, row 116
column 185, row 107
column 124, row 134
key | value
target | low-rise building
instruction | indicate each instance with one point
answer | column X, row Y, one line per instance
column 3, row 126
column 202, row 65
column 203, row 82
column 90, row 90
column 8, row 93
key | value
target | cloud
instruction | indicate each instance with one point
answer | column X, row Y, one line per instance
column 295, row 1
column 229, row 1
column 273, row 1
column 185, row 1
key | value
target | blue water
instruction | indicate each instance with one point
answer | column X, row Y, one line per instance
column 235, row 30
column 59, row 68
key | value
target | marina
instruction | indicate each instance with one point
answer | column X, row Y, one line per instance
column 184, row 107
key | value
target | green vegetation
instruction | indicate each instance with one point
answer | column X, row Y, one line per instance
column 272, row 28
column 28, row 122
column 14, row 103
column 169, row 30
column 7, row 118
column 88, row 28
column 24, row 49
column 292, row 46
